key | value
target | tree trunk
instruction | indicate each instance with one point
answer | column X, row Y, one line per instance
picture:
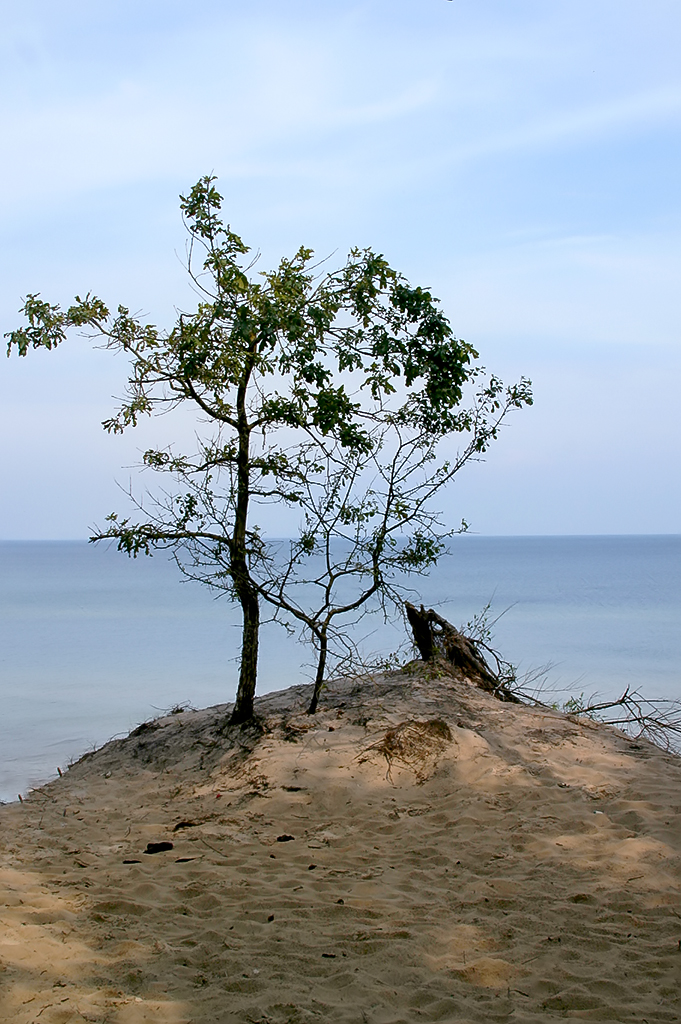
column 243, row 584
column 243, row 707
column 422, row 631
column 321, row 665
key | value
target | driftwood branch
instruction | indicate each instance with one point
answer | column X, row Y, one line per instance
column 436, row 639
column 655, row 719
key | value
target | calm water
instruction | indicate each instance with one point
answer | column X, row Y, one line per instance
column 92, row 643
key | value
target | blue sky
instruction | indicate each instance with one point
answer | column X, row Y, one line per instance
column 521, row 158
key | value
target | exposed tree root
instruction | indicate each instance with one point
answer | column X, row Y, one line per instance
column 437, row 639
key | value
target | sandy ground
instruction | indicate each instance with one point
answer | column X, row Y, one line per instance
column 415, row 852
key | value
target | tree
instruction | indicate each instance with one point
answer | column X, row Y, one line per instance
column 369, row 522
column 304, row 377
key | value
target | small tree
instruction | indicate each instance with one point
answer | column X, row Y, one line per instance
column 295, row 372
column 369, row 521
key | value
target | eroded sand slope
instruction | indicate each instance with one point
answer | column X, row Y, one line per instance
column 452, row 859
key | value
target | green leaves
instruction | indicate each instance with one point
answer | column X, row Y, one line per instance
column 388, row 342
column 420, row 552
column 202, row 208
column 87, row 312
column 48, row 325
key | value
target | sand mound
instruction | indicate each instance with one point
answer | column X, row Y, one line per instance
column 417, row 851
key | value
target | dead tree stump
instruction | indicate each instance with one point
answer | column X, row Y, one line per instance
column 435, row 638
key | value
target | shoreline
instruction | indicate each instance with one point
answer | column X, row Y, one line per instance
column 93, row 642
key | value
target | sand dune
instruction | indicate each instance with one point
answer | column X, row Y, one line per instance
column 415, row 852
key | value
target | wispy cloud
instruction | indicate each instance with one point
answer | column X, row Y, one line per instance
column 560, row 127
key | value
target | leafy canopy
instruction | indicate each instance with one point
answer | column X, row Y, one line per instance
column 289, row 325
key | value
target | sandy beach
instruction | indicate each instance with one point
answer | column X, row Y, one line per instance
column 417, row 851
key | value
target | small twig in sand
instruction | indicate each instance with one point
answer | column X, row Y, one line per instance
column 213, row 848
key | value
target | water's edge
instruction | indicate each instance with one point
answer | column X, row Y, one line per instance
column 92, row 643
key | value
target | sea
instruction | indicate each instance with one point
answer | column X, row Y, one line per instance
column 92, row 642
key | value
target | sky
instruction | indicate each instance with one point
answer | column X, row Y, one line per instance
column 521, row 158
